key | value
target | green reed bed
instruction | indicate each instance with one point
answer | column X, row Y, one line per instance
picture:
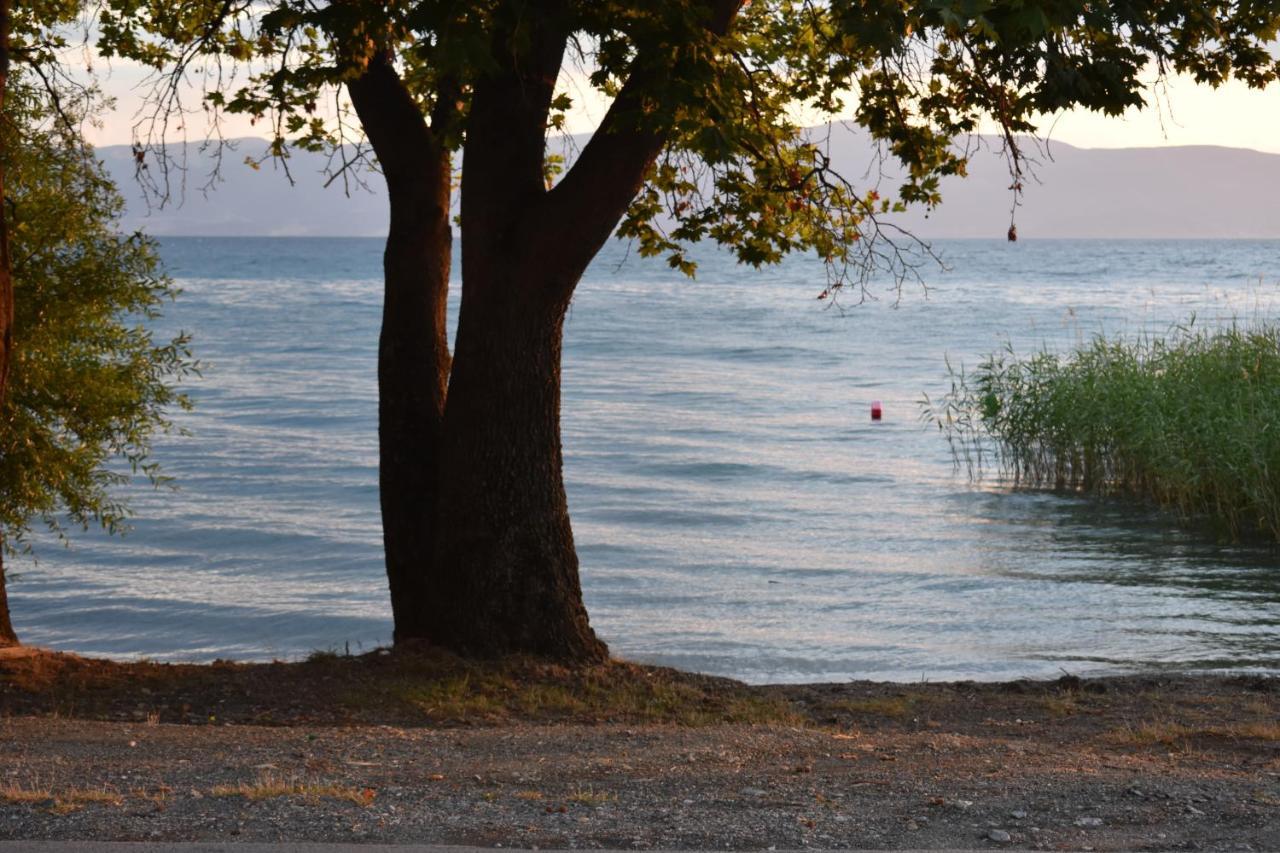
column 1190, row 420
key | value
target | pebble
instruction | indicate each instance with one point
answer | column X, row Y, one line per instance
column 1088, row 821
column 752, row 792
column 1017, row 815
column 1000, row 836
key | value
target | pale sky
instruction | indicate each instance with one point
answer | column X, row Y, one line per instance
column 1185, row 114
column 1188, row 114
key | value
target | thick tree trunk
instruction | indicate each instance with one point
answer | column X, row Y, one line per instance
column 506, row 569
column 7, row 636
column 479, row 549
column 413, row 352
column 413, row 370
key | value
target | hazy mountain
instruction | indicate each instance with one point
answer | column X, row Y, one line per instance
column 244, row 201
column 1184, row 192
column 1176, row 192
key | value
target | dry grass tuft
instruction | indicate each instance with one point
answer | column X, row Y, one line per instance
column 1268, row 731
column 269, row 786
column 59, row 802
column 589, row 796
column 894, row 707
column 1177, row 735
column 18, row 794
column 1065, row 705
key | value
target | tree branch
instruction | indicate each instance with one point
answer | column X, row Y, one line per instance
column 507, row 122
column 587, row 204
column 391, row 119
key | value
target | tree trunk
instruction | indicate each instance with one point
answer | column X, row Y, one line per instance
column 413, row 370
column 506, row 572
column 7, row 636
column 413, row 351
column 479, row 548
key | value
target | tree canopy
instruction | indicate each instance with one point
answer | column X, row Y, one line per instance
column 726, row 85
column 704, row 139
column 90, row 384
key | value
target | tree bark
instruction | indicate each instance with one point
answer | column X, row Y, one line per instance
column 7, row 635
column 413, row 352
column 507, row 570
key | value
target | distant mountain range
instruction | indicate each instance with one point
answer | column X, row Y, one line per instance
column 1183, row 192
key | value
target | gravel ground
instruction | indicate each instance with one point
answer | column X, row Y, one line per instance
column 914, row 783
column 417, row 746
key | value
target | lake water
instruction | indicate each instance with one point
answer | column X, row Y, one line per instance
column 736, row 510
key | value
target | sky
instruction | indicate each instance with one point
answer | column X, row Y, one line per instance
column 1182, row 113
column 1186, row 114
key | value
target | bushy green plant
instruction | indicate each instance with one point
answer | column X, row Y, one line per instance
column 90, row 384
column 1191, row 420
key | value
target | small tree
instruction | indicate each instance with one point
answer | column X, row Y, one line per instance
column 90, row 384
column 700, row 142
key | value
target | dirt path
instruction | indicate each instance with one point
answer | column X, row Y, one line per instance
column 1135, row 764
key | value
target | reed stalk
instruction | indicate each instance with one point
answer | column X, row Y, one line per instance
column 1190, row 420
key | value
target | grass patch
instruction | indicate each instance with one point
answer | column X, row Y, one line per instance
column 893, row 707
column 270, row 786
column 590, row 796
column 413, row 685
column 1059, row 706
column 59, row 802
column 527, row 689
column 1269, row 731
column 1177, row 735
column 17, row 794
column 1188, row 421
column 1168, row 734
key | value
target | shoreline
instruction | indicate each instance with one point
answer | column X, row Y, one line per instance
column 417, row 685
column 421, row 747
column 1060, row 671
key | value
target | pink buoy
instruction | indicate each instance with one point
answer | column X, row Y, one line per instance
column 876, row 411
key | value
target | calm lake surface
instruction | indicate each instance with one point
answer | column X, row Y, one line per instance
column 736, row 510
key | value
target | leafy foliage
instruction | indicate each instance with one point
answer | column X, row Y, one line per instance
column 738, row 167
column 90, row 384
